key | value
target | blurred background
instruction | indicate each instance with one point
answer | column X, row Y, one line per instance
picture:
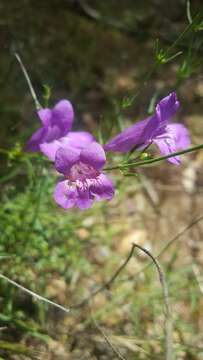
column 113, row 60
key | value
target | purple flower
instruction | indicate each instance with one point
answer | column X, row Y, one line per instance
column 155, row 129
column 55, row 131
column 83, row 180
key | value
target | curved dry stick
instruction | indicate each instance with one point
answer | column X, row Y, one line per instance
column 170, row 242
column 108, row 283
column 167, row 312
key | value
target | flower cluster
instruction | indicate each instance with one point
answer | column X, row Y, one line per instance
column 76, row 155
column 80, row 159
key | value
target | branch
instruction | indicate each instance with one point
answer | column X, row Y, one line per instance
column 157, row 159
column 108, row 283
column 168, row 318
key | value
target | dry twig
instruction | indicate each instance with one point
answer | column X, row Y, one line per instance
column 113, row 348
column 34, row 295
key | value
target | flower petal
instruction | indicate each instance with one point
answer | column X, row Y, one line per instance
column 168, row 146
column 65, row 158
column 53, row 133
column 93, row 155
column 143, row 132
column 36, row 139
column 176, row 137
column 62, row 115
column 45, row 116
column 180, row 134
column 167, row 108
column 65, row 194
column 84, row 200
column 102, row 188
column 134, row 136
column 50, row 149
column 49, row 145
column 78, row 139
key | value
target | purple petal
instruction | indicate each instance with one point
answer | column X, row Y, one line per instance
column 49, row 145
column 168, row 146
column 93, row 155
column 143, row 132
column 50, row 149
column 65, row 194
column 84, row 200
column 79, row 139
column 102, row 188
column 176, row 137
column 53, row 133
column 45, row 116
column 130, row 137
column 150, row 130
column 180, row 134
column 36, row 139
column 62, row 115
column 65, row 158
column 167, row 108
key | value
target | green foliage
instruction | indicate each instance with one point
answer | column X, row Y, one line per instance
column 37, row 240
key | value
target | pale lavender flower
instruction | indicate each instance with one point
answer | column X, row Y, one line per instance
column 155, row 129
column 83, row 180
column 55, row 131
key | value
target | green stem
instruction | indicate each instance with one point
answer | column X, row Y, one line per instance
column 157, row 64
column 188, row 12
column 185, row 31
column 151, row 161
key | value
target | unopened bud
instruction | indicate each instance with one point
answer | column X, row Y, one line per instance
column 145, row 156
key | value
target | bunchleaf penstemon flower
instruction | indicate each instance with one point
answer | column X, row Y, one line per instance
column 55, row 130
column 83, row 180
column 157, row 129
